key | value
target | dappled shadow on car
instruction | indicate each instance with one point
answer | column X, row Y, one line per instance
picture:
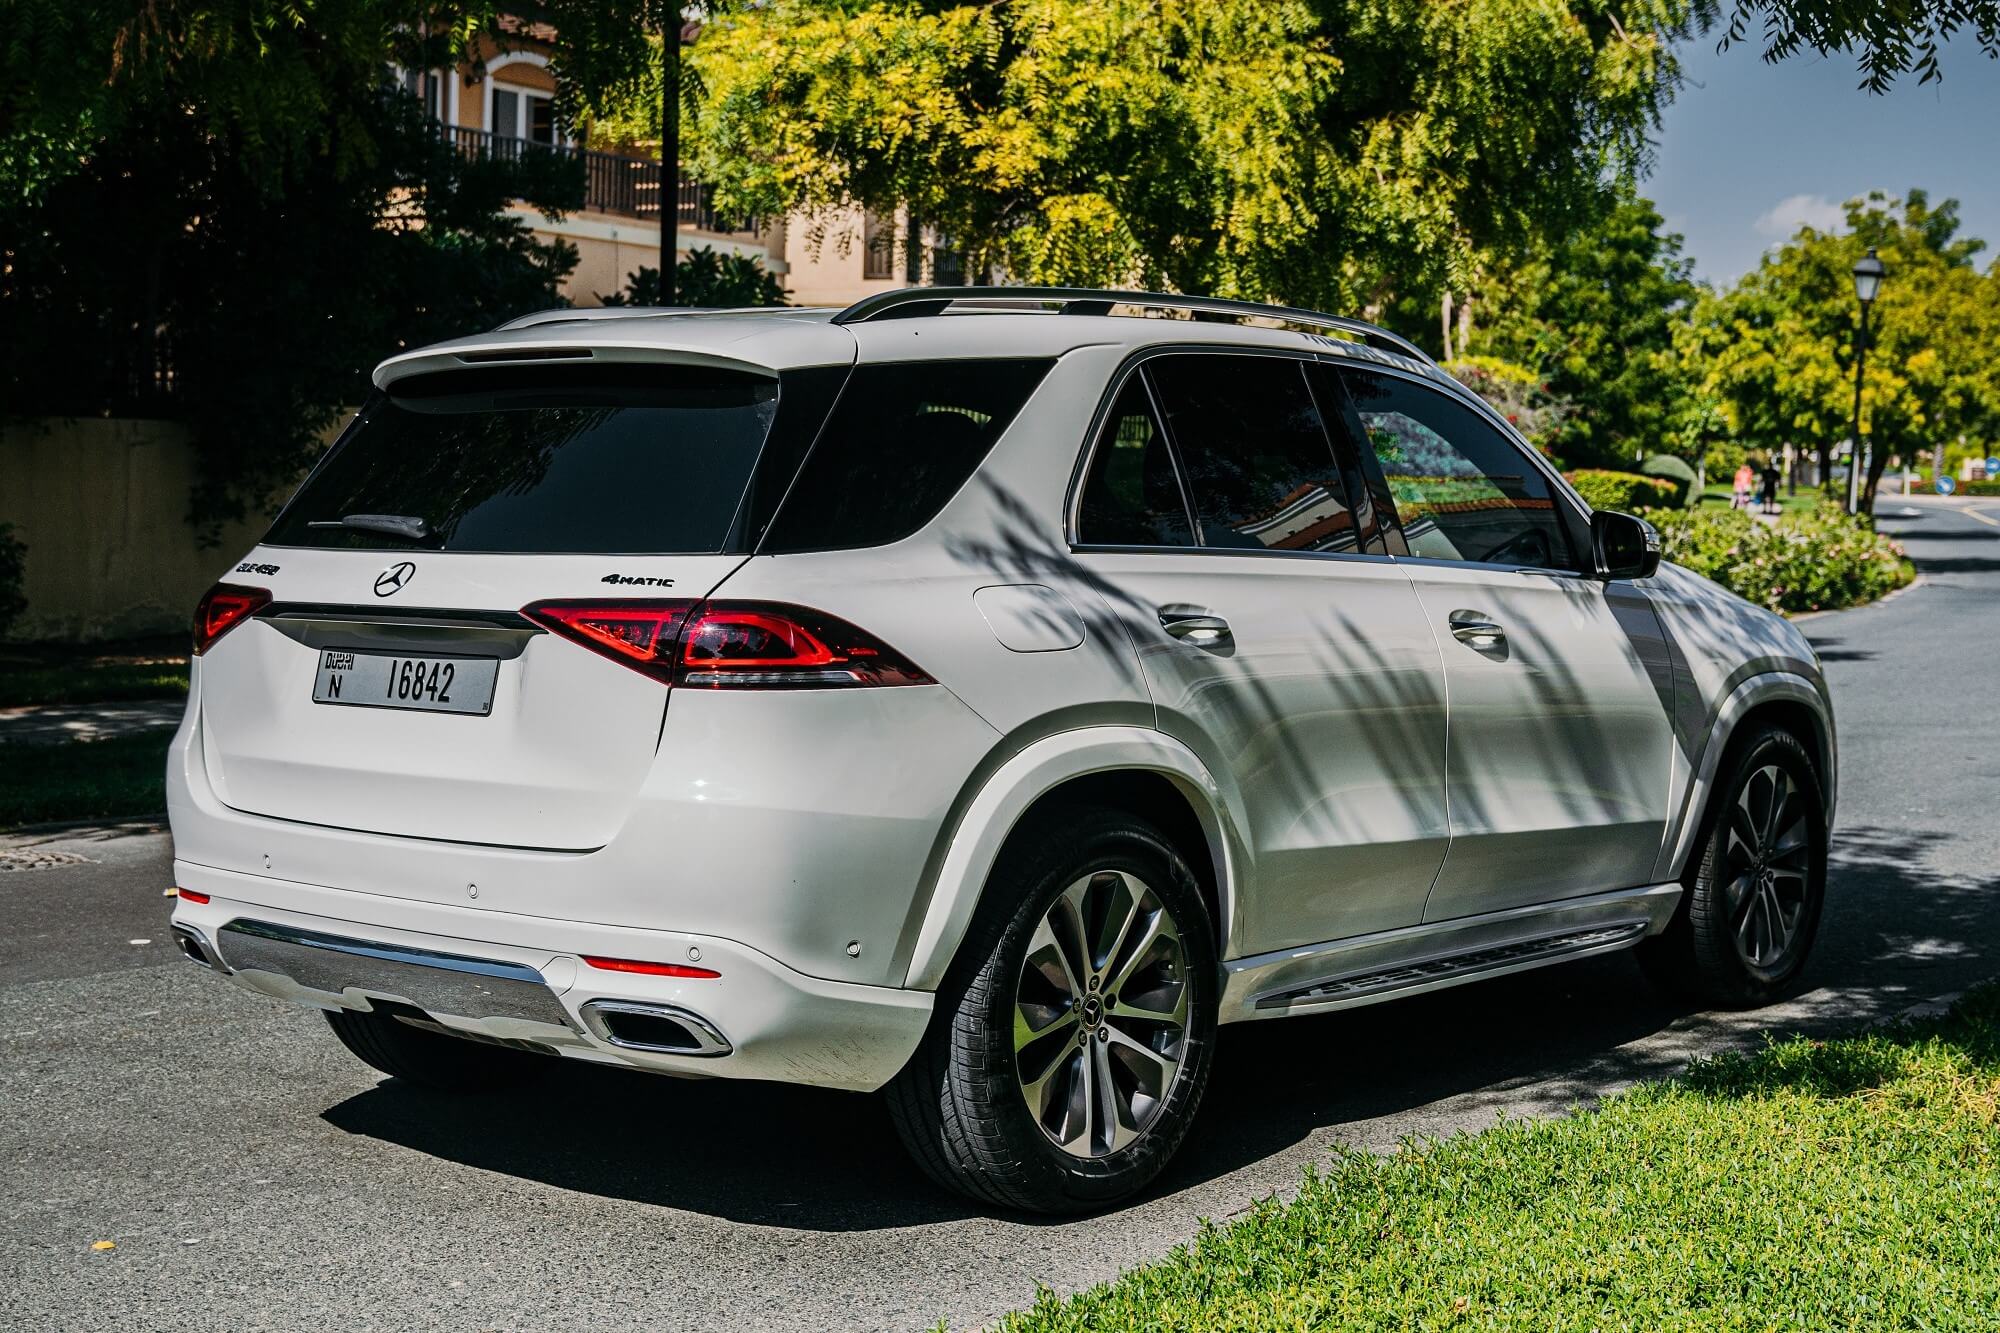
column 1536, row 1043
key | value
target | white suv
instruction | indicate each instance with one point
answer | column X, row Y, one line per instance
column 982, row 693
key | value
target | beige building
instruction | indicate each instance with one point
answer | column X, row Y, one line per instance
column 503, row 105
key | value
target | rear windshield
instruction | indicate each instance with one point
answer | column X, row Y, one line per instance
column 584, row 460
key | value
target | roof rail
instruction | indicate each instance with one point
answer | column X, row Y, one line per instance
column 917, row 302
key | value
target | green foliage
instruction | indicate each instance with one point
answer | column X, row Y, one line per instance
column 1812, row 560
column 1687, row 482
column 1849, row 1183
column 1333, row 153
column 1778, row 349
column 1597, row 316
column 1626, row 492
column 1519, row 395
column 1891, row 39
column 706, row 280
column 13, row 572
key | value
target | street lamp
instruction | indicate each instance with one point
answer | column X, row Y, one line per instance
column 1868, row 274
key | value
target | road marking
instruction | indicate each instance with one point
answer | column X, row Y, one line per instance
column 1983, row 518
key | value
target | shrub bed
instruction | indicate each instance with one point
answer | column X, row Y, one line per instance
column 1626, row 492
column 1991, row 486
column 1815, row 560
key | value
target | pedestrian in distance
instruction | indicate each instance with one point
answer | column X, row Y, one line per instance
column 1740, row 496
column 1768, row 498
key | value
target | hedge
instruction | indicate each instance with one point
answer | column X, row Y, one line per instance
column 1991, row 486
column 1623, row 491
column 1687, row 482
column 1812, row 560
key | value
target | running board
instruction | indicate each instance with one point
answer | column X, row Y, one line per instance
column 1369, row 969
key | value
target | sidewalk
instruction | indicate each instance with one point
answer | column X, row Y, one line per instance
column 54, row 724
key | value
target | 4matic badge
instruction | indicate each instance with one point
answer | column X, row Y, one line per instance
column 631, row 581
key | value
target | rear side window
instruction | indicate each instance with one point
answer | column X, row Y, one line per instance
column 901, row 441
column 582, row 460
column 1132, row 497
column 1260, row 470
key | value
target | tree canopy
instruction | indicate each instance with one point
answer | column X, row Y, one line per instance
column 1330, row 152
column 1889, row 39
column 1779, row 346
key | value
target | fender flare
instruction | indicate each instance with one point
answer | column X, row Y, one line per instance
column 1763, row 688
column 1025, row 778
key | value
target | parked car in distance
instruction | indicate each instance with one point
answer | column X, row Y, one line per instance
column 983, row 695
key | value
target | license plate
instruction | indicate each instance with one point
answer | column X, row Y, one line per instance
column 393, row 680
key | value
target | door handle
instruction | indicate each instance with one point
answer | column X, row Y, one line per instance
column 1476, row 632
column 1195, row 627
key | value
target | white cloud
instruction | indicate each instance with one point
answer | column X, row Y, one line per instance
column 1786, row 216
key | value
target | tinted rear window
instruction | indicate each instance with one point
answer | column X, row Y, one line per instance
column 902, row 439
column 589, row 460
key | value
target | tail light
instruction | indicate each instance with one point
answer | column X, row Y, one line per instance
column 221, row 609
column 652, row 969
column 730, row 645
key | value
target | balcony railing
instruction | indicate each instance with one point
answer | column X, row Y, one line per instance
column 611, row 183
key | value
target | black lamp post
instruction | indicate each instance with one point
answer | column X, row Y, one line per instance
column 1868, row 274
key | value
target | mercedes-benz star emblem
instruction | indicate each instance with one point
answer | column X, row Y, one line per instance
column 393, row 579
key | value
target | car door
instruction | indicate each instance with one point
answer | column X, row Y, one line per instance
column 1560, row 692
column 1214, row 519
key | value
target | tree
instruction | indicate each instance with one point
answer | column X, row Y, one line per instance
column 1330, row 152
column 1893, row 38
column 1595, row 317
column 217, row 210
column 1780, row 345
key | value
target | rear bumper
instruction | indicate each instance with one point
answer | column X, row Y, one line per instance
column 523, row 979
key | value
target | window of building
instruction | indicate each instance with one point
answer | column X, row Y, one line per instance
column 523, row 113
column 878, row 245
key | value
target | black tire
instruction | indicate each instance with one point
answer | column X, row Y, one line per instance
column 959, row 1106
column 431, row 1059
column 1700, row 955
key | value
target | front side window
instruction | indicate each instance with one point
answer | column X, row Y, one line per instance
column 1463, row 490
column 1260, row 471
column 902, row 439
column 1132, row 497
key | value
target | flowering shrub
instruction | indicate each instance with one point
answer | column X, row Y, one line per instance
column 1811, row 561
column 1519, row 395
column 1626, row 492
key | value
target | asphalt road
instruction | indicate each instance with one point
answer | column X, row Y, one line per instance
column 253, row 1175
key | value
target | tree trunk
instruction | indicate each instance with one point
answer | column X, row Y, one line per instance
column 1877, row 464
column 1444, row 323
column 670, row 154
column 1826, row 466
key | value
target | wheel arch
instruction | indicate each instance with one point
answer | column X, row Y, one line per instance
column 1779, row 698
column 1129, row 768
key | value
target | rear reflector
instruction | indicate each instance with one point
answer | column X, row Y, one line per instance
column 221, row 609
column 730, row 645
column 191, row 896
column 651, row 969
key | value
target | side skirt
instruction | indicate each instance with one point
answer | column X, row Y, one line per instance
column 1342, row 974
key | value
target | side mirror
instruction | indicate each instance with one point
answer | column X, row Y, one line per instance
column 1626, row 547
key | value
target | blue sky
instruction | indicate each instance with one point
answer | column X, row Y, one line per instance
column 1749, row 151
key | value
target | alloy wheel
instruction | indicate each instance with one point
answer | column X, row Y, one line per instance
column 1101, row 1014
column 1766, row 859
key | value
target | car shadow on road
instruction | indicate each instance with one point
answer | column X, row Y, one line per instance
column 772, row 1155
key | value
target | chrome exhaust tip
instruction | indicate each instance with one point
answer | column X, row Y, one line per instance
column 194, row 946
column 660, row 1029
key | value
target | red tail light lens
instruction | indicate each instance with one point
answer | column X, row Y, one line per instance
column 755, row 645
column 221, row 609
column 642, row 635
column 652, row 969
column 191, row 895
column 730, row 645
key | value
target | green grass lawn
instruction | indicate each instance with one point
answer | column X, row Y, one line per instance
column 125, row 775
column 1813, row 1185
column 1718, row 493
column 56, row 674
